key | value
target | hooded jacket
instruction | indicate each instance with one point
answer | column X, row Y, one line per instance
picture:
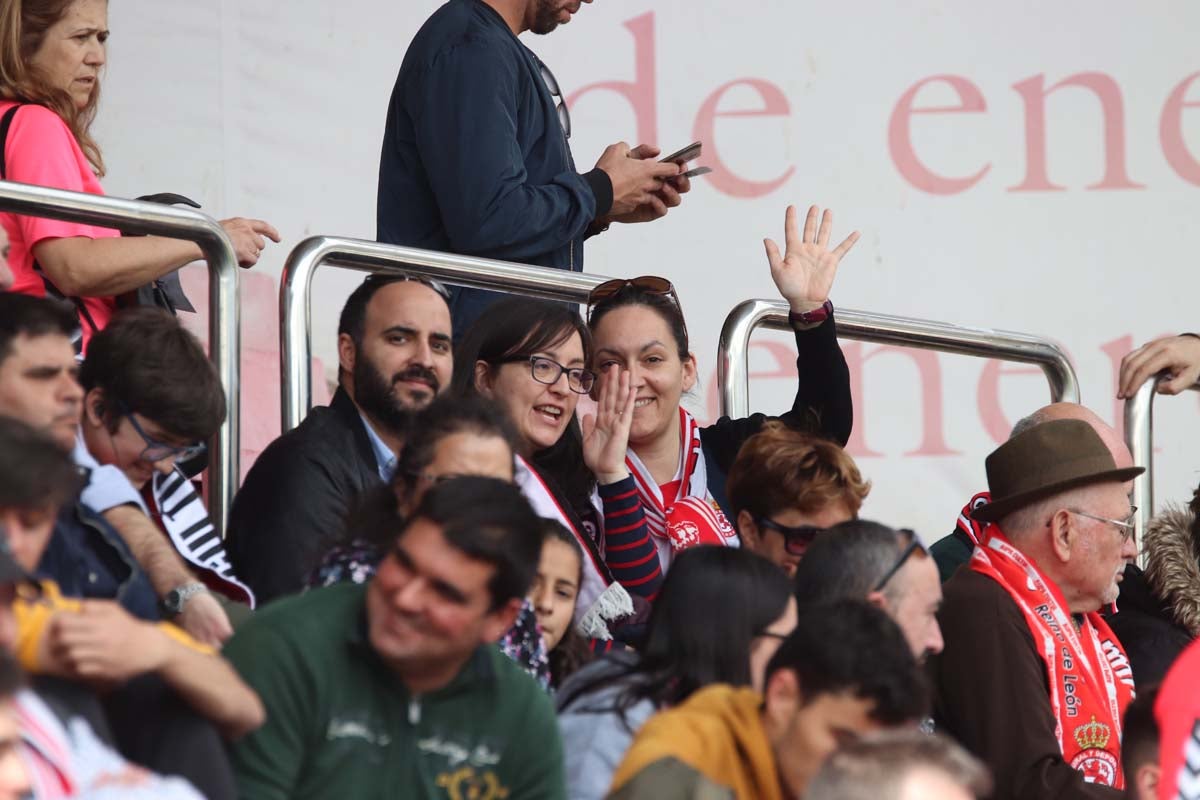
column 1173, row 565
column 1158, row 611
column 711, row 746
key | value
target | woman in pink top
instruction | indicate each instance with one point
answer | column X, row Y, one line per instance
column 49, row 90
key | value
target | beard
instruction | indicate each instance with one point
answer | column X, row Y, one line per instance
column 378, row 398
column 545, row 18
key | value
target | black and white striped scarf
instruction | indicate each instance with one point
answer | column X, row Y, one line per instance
column 185, row 519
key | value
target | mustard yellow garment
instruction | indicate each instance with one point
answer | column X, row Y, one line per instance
column 718, row 733
column 33, row 619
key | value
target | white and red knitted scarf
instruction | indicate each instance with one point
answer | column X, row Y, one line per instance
column 692, row 517
column 1091, row 683
column 601, row 600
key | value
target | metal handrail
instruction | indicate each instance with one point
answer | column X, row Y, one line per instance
column 223, row 315
column 1139, row 435
column 733, row 350
column 295, row 290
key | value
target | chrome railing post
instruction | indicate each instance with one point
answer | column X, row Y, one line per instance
column 295, row 295
column 223, row 321
column 1139, row 436
column 733, row 350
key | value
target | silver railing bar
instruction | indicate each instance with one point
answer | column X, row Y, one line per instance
column 733, row 350
column 224, row 344
column 295, row 291
column 1139, row 435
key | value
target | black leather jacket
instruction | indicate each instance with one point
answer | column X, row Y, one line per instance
column 295, row 498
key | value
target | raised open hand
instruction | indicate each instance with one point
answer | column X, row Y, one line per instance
column 606, row 433
column 804, row 273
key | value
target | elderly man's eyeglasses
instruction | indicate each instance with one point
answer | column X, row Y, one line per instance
column 1125, row 527
column 796, row 539
column 548, row 371
column 156, row 451
column 913, row 545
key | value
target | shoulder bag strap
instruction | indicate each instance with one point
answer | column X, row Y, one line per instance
column 5, row 124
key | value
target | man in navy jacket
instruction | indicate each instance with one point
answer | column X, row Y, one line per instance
column 476, row 157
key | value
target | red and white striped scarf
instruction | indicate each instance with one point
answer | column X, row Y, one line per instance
column 1091, row 683
column 601, row 599
column 692, row 517
column 45, row 750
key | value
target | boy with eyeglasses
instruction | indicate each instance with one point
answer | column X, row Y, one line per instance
column 152, row 399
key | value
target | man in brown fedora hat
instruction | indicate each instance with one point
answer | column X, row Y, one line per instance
column 1031, row 678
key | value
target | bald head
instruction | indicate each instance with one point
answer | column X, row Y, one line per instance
column 1108, row 435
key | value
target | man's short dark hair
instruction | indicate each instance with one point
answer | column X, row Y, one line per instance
column 490, row 521
column 146, row 362
column 35, row 473
column 1139, row 742
column 25, row 315
column 446, row 416
column 853, row 647
column 846, row 562
column 353, row 320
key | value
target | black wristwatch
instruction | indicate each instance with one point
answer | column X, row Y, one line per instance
column 174, row 600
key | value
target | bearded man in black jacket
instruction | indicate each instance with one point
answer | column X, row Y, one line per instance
column 394, row 357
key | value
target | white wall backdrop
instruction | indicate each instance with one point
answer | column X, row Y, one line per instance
column 985, row 195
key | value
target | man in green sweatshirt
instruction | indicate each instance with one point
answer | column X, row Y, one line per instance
column 394, row 688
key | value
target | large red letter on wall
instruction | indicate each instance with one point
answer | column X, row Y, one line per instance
column 900, row 135
column 990, row 412
column 785, row 363
column 1111, row 105
column 642, row 91
column 929, row 374
column 775, row 104
column 1170, row 131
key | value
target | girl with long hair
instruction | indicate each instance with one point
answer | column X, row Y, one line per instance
column 554, row 594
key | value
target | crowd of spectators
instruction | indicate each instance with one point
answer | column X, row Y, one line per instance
column 506, row 561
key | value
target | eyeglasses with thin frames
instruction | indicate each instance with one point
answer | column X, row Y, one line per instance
column 913, row 546
column 1124, row 527
column 548, row 371
column 436, row 286
column 564, row 114
column 156, row 451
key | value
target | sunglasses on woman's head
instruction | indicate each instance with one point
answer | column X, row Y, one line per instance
column 651, row 284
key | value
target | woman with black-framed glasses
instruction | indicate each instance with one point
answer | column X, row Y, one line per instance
column 680, row 466
column 530, row 358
